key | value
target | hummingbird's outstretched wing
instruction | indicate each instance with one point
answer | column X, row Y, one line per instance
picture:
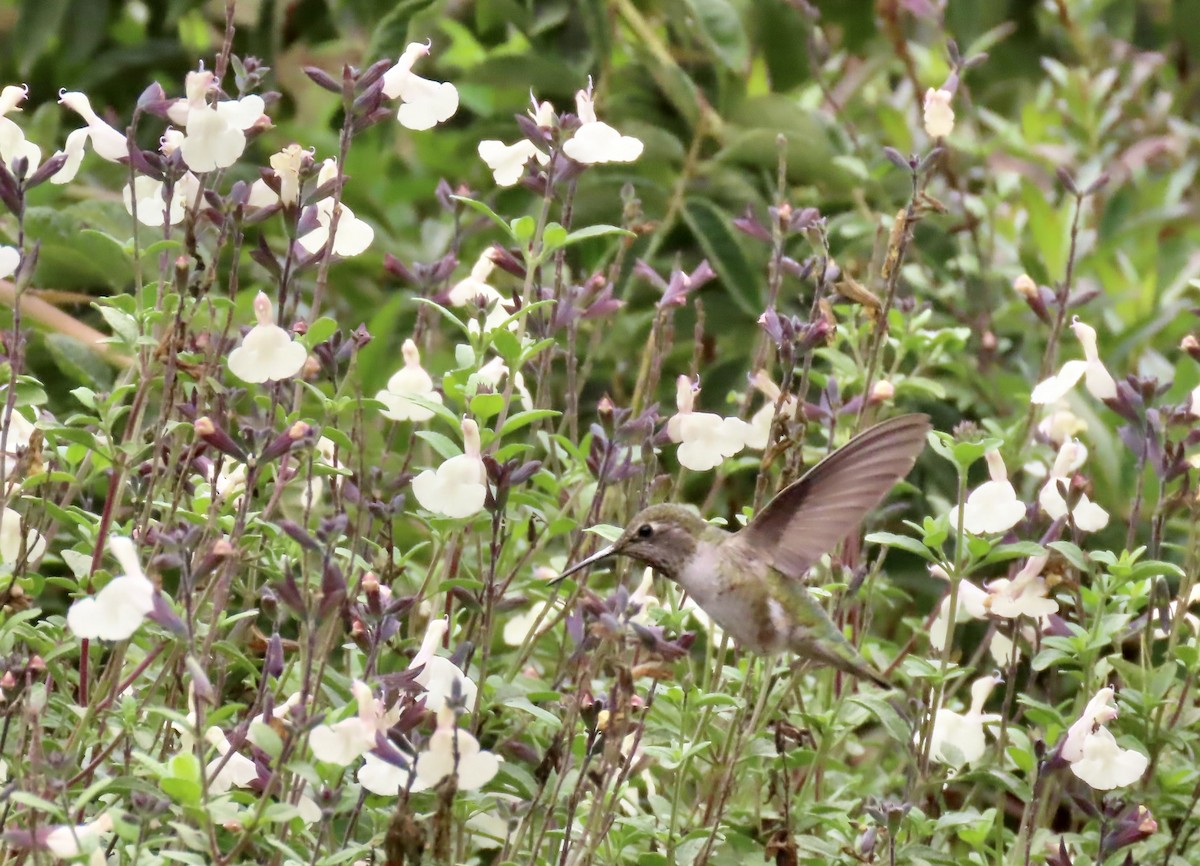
column 813, row 514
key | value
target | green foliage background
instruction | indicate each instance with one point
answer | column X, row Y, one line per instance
column 743, row 105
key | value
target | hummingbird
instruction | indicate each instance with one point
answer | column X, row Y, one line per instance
column 750, row 581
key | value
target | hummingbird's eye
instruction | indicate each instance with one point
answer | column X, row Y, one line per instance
column 645, row 530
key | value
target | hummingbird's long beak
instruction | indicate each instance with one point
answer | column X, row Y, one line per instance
column 602, row 553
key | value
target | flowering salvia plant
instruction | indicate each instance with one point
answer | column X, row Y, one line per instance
column 315, row 378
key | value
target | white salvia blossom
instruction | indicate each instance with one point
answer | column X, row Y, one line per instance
column 424, row 103
column 73, row 150
column 216, row 134
column 1092, row 370
column 1189, row 619
column 19, row 430
column 13, row 143
column 411, row 380
column 971, row 604
column 596, row 142
column 440, row 677
column 542, row 113
column 170, row 141
column 108, row 143
column 268, row 353
column 493, row 372
column 507, row 161
column 475, row 285
column 993, row 506
column 938, row 115
column 387, row 780
column 286, row 164
column 238, row 772
column 519, row 627
column 1087, row 515
column 1093, row 753
column 14, row 538
column 281, row 711
column 1194, row 401
column 958, row 738
column 10, row 260
column 68, row 842
column 342, row 742
column 352, row 235
column 1024, row 595
column 761, row 422
column 115, row 612
column 1060, row 425
column 643, row 597
column 457, row 488
column 452, row 750
column 326, row 454
column 152, row 207
column 704, row 439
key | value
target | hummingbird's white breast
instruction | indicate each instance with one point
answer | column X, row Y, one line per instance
column 737, row 599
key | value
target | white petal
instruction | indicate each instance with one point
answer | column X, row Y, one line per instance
column 964, row 733
column 268, row 353
column 426, row 103
column 10, row 259
column 380, row 777
column 242, row 113
column 1056, row 387
column 261, row 195
column 598, row 142
column 992, row 507
column 1099, row 382
column 1104, row 765
column 938, row 115
column 74, row 150
column 211, row 141
column 342, row 742
column 507, row 162
column 115, row 612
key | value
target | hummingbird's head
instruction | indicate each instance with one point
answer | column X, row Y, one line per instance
column 663, row 537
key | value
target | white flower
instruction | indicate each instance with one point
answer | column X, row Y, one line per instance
column 20, row 429
column 519, row 627
column 239, row 771
column 596, row 142
column 10, row 260
column 12, row 96
column 452, row 750
column 457, row 488
column 542, row 113
column 963, row 732
column 216, row 134
column 1087, row 515
column 1093, row 752
column 1194, row 405
column 342, row 742
column 492, row 374
column 326, row 454
column 352, row 236
column 1024, row 595
column 13, row 143
column 1190, row 619
column 106, row 141
column 993, row 506
column 170, row 141
column 380, row 777
column 286, row 164
column 67, row 842
column 152, row 207
column 409, row 380
column 115, row 612
column 1060, row 425
column 469, row 289
column 425, row 103
column 268, row 353
column 73, row 150
column 939, row 116
column 507, row 161
column 440, row 677
column 1092, row 370
column 761, row 422
column 13, row 538
column 705, row 439
column 281, row 711
column 971, row 604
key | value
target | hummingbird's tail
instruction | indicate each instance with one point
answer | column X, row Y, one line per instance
column 843, row 656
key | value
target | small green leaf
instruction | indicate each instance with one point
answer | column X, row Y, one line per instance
column 480, row 207
column 523, row 419
column 600, row 231
column 711, row 228
column 522, row 228
column 903, row 542
column 320, row 331
column 485, row 406
column 442, row 444
column 721, row 28
column 887, row 715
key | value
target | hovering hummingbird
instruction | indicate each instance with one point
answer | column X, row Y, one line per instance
column 749, row 581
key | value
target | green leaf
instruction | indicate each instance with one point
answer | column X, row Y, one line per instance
column 523, row 419
column 442, row 444
column 485, row 406
column 721, row 28
column 1071, row 553
column 78, row 361
column 891, row 539
column 887, row 715
column 320, row 331
column 390, row 35
column 600, row 231
column 481, row 208
column 711, row 228
column 522, row 228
